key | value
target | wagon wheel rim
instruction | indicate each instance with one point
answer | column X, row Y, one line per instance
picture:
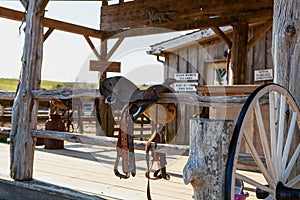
column 279, row 158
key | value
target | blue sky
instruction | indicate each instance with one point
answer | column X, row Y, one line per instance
column 66, row 55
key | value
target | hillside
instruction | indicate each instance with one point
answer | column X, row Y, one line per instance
column 11, row 85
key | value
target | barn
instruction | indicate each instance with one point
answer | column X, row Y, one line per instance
column 203, row 52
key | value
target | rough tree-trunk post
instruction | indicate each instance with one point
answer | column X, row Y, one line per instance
column 206, row 166
column 286, row 45
column 286, row 50
column 25, row 108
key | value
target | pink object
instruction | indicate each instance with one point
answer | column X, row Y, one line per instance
column 241, row 196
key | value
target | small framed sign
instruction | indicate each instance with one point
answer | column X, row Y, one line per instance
column 186, row 76
column 263, row 75
column 185, row 87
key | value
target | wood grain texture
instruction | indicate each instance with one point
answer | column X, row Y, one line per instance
column 51, row 23
column 182, row 15
column 205, row 168
column 24, row 113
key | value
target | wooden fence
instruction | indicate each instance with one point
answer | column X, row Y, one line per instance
column 191, row 99
column 80, row 116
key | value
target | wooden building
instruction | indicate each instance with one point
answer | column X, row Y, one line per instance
column 203, row 52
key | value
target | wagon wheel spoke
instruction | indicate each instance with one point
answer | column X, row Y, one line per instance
column 258, row 160
column 271, row 197
column 264, row 140
column 293, row 182
column 280, row 132
column 254, row 183
column 273, row 135
column 272, row 141
column 291, row 164
column 289, row 138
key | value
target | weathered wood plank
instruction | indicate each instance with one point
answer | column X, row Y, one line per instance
column 192, row 99
column 65, row 94
column 106, row 141
column 51, row 23
column 226, row 90
column 105, row 66
column 25, row 108
column 174, row 15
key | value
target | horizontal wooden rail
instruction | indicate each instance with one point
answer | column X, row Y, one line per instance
column 102, row 141
column 107, row 141
column 245, row 162
column 184, row 98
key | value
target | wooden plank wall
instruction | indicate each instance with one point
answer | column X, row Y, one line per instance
column 193, row 58
column 181, row 15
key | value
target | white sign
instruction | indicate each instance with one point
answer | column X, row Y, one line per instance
column 185, row 87
column 186, row 76
column 263, row 75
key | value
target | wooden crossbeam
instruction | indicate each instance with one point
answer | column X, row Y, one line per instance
column 48, row 33
column 105, row 66
column 222, row 35
column 51, row 23
column 114, row 48
column 92, row 47
column 263, row 30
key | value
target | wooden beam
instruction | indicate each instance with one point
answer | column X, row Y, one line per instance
column 263, row 30
column 104, row 66
column 222, row 35
column 239, row 53
column 114, row 48
column 107, row 141
column 48, row 33
column 184, row 15
column 92, row 47
column 228, row 90
column 51, row 23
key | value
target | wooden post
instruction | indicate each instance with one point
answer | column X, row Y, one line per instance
column 239, row 53
column 206, row 166
column 286, row 46
column 286, row 51
column 24, row 114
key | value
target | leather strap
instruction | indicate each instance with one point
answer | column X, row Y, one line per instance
column 125, row 147
column 160, row 158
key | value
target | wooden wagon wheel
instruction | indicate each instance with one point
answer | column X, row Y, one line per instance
column 274, row 147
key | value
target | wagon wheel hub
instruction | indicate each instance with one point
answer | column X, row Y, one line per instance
column 282, row 193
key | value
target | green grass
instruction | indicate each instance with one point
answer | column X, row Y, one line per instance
column 11, row 85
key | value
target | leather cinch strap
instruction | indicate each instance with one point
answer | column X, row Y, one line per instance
column 125, row 147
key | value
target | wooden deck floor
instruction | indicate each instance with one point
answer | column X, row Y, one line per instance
column 89, row 169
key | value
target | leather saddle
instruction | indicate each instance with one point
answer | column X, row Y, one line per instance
column 120, row 91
